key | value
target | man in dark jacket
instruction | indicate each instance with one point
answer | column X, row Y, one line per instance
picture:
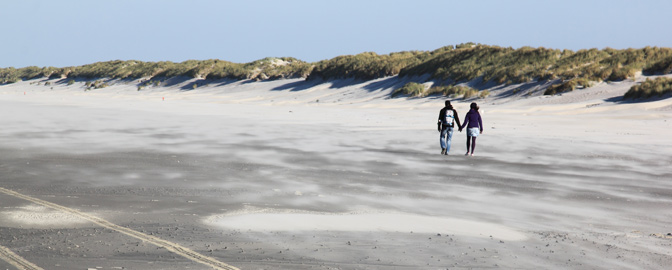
column 447, row 118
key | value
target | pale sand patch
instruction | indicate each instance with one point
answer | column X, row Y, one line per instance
column 363, row 222
column 38, row 216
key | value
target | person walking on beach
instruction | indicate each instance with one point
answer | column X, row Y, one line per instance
column 474, row 126
column 447, row 118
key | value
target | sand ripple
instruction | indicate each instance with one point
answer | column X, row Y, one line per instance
column 38, row 216
column 386, row 222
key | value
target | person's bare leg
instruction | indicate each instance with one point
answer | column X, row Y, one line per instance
column 468, row 144
column 473, row 145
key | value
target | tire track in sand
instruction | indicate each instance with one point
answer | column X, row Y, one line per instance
column 16, row 260
column 173, row 247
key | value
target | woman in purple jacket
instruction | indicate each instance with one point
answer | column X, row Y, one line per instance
column 474, row 124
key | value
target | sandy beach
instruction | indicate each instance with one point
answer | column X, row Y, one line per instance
column 294, row 174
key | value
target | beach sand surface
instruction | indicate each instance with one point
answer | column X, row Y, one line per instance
column 293, row 174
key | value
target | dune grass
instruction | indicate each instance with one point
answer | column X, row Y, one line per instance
column 414, row 89
column 411, row 89
column 650, row 88
column 365, row 66
column 268, row 68
column 97, row 84
column 454, row 91
column 509, row 66
column 664, row 66
column 568, row 86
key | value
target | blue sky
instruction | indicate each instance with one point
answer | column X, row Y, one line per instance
column 68, row 33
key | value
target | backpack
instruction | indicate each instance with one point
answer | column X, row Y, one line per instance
column 448, row 118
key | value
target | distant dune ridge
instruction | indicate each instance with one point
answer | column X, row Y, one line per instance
column 462, row 70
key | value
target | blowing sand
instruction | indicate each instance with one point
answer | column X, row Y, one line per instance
column 290, row 174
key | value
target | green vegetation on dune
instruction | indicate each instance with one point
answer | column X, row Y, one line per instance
column 565, row 69
column 568, row 86
column 465, row 62
column 501, row 65
column 454, row 91
column 470, row 61
column 507, row 65
column 663, row 66
column 411, row 89
column 650, row 88
column 280, row 68
column 98, row 84
column 365, row 66
column 12, row 75
column 268, row 68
